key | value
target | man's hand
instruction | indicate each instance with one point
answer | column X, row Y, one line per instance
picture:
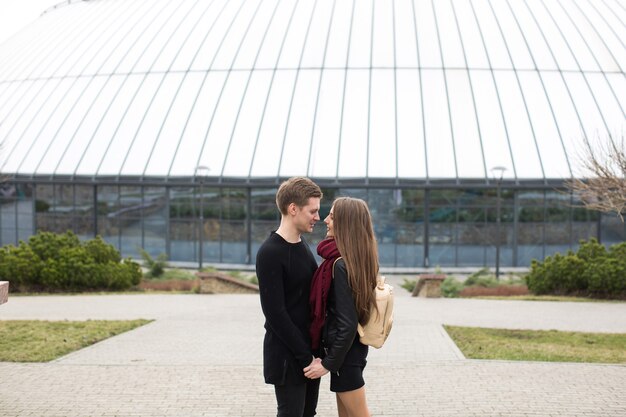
column 315, row 369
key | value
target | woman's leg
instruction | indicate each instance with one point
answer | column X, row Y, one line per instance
column 341, row 409
column 354, row 402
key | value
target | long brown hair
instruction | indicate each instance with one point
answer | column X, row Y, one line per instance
column 354, row 234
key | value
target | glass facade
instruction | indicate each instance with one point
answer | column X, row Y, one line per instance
column 414, row 227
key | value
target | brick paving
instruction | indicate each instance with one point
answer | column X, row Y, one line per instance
column 201, row 356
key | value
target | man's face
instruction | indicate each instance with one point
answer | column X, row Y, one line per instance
column 306, row 216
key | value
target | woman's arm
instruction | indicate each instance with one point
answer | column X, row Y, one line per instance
column 346, row 319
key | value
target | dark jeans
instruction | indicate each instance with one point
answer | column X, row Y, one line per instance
column 297, row 400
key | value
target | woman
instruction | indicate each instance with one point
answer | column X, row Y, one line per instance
column 342, row 295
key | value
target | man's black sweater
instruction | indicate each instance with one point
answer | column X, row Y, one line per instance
column 285, row 271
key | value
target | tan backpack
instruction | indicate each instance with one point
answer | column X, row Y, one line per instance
column 375, row 332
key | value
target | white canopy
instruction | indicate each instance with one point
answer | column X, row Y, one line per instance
column 404, row 89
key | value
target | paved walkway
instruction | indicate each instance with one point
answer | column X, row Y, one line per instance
column 202, row 357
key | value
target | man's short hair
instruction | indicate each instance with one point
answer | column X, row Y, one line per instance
column 296, row 190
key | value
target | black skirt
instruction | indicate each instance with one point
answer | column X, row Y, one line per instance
column 350, row 375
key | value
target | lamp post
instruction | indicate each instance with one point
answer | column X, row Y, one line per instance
column 498, row 173
column 201, row 172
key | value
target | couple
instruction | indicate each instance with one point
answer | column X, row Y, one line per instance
column 311, row 313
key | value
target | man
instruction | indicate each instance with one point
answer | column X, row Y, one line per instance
column 285, row 266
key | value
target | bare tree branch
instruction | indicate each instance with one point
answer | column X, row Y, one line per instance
column 603, row 187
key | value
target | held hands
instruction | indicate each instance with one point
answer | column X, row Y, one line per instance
column 315, row 369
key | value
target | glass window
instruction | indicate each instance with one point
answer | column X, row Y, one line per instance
column 234, row 36
column 293, row 47
column 53, row 150
column 473, row 44
column 427, row 36
column 492, row 35
column 468, row 146
column 104, row 137
column 128, row 217
column 196, row 126
column 382, row 152
column 405, row 34
column 295, row 155
column 599, row 39
column 451, row 46
column 169, row 137
column 269, row 53
column 577, row 44
column 79, row 128
column 271, row 133
column 20, row 121
column 383, row 27
column 539, row 49
column 201, row 52
column 586, row 105
column 361, row 36
column 613, row 230
column 108, row 214
column 314, row 50
column 125, row 135
column 84, row 225
column 233, row 227
column 551, row 150
column 152, row 117
column 8, row 214
column 154, row 218
column 223, row 122
column 183, row 224
column 148, row 44
column 410, row 131
column 558, row 237
column 245, row 132
column 521, row 137
column 325, row 145
column 493, row 134
column 516, row 44
column 255, row 36
column 440, row 151
column 352, row 153
column 44, row 208
column 552, row 35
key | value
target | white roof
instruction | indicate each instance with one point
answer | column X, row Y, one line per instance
column 404, row 89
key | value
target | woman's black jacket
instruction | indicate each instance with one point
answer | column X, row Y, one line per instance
column 341, row 319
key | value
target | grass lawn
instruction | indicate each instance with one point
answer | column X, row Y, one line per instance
column 43, row 341
column 566, row 298
column 539, row 345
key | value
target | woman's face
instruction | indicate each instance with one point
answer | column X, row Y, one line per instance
column 329, row 224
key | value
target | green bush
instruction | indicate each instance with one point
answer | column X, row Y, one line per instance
column 51, row 262
column 156, row 266
column 591, row 271
column 451, row 287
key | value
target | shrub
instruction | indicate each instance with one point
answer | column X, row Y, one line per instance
column 50, row 262
column 156, row 266
column 451, row 287
column 591, row 271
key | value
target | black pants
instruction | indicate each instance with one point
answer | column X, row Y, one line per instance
column 297, row 400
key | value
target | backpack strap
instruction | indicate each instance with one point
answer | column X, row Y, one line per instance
column 333, row 270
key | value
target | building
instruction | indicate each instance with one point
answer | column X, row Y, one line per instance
column 148, row 121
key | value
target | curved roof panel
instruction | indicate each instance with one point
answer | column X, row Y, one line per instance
column 404, row 89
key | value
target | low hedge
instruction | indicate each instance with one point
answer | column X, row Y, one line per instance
column 61, row 262
column 592, row 271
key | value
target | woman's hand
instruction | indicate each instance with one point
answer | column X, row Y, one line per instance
column 315, row 369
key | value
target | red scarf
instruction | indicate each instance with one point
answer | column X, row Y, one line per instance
column 320, row 285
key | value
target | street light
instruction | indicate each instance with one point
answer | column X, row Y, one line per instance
column 201, row 172
column 498, row 173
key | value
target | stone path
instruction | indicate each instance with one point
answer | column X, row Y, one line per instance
column 201, row 356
